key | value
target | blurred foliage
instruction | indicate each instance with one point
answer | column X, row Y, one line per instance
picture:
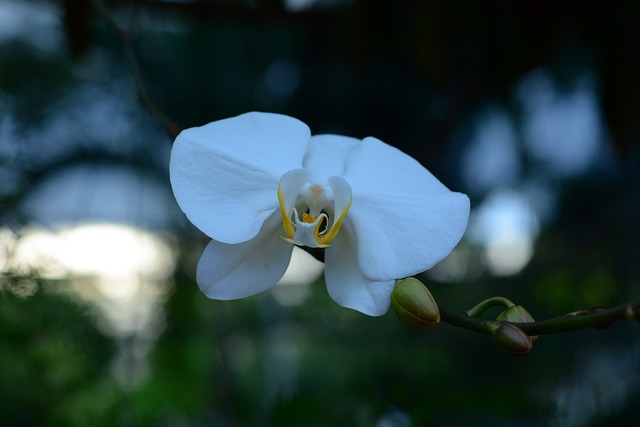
column 53, row 360
column 410, row 73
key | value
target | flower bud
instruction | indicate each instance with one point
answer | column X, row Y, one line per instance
column 517, row 314
column 414, row 304
column 512, row 340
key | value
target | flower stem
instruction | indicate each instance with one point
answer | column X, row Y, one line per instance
column 568, row 322
column 463, row 320
column 483, row 306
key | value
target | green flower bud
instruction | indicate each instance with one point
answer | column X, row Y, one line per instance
column 512, row 340
column 517, row 314
column 414, row 304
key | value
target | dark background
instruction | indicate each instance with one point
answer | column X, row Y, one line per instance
column 530, row 107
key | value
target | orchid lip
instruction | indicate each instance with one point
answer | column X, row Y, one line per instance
column 323, row 208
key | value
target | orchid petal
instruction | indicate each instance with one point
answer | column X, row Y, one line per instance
column 240, row 270
column 342, row 202
column 225, row 174
column 405, row 220
column 288, row 189
column 348, row 286
column 326, row 156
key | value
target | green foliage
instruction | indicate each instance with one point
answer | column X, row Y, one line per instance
column 53, row 361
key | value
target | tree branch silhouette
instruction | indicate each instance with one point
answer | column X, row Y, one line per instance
column 126, row 40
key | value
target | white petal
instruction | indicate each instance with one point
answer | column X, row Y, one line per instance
column 289, row 188
column 404, row 219
column 236, row 271
column 347, row 285
column 326, row 156
column 375, row 167
column 225, row 174
column 342, row 202
column 342, row 194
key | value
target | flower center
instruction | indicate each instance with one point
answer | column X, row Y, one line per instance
column 308, row 218
column 323, row 208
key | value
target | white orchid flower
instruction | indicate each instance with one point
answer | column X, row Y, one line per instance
column 259, row 183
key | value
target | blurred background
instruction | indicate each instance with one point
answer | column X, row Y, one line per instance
column 530, row 107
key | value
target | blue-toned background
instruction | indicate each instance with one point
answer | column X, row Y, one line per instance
column 530, row 107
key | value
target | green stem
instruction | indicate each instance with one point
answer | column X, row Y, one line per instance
column 568, row 322
column 462, row 319
column 483, row 306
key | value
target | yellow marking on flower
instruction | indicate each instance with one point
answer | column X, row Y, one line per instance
column 308, row 218
column 286, row 217
column 322, row 234
column 328, row 236
column 316, row 231
column 291, row 241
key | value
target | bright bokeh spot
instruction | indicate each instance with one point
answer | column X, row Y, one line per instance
column 36, row 23
column 122, row 270
column 492, row 156
column 506, row 226
column 114, row 251
column 295, row 286
column 563, row 130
